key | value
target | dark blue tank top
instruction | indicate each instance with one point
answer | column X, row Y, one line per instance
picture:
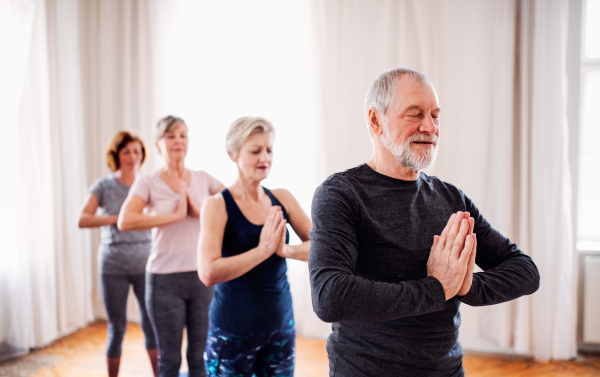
column 260, row 300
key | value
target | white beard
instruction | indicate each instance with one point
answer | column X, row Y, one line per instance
column 406, row 154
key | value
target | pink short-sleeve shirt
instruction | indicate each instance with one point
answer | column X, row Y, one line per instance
column 174, row 246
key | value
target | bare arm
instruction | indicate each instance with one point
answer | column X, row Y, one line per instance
column 88, row 218
column 132, row 217
column 213, row 268
column 299, row 252
column 299, row 221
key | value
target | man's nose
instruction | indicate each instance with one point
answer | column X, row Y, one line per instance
column 429, row 126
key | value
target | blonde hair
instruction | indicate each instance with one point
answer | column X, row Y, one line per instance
column 167, row 124
column 116, row 144
column 241, row 129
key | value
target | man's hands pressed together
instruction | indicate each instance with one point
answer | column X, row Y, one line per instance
column 452, row 256
column 466, row 286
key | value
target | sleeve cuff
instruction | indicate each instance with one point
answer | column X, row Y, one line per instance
column 466, row 299
column 437, row 290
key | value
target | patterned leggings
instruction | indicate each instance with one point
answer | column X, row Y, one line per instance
column 261, row 355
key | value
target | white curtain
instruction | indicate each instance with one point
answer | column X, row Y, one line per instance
column 79, row 72
column 16, row 29
column 72, row 251
column 45, row 284
column 550, row 223
column 499, row 71
column 217, row 61
column 117, row 65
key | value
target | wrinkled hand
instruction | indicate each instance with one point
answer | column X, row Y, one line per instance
column 449, row 257
column 182, row 206
column 466, row 286
column 271, row 239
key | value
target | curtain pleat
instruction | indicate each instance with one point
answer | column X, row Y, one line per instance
column 45, row 288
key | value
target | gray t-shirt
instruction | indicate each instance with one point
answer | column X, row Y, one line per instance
column 370, row 242
column 119, row 253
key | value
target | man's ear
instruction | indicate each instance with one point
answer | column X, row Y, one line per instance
column 375, row 121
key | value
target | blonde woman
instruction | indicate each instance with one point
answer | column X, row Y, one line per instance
column 121, row 256
column 175, row 296
column 242, row 249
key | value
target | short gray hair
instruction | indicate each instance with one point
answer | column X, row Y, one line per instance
column 381, row 93
column 243, row 127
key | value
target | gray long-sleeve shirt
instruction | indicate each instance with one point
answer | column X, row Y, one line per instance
column 370, row 242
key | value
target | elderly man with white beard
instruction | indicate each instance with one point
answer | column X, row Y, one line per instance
column 393, row 250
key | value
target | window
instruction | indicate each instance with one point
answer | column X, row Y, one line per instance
column 589, row 177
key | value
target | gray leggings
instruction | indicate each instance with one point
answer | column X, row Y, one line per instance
column 176, row 301
column 114, row 289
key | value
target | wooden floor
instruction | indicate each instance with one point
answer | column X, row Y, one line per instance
column 82, row 354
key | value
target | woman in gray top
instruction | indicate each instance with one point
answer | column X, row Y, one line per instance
column 122, row 256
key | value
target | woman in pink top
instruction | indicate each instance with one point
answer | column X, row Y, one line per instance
column 175, row 296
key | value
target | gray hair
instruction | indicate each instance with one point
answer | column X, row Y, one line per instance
column 243, row 127
column 381, row 93
column 166, row 124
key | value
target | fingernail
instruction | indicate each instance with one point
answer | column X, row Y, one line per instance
column 463, row 222
column 452, row 217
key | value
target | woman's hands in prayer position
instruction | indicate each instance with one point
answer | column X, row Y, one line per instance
column 272, row 235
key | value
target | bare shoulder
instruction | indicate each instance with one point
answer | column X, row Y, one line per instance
column 214, row 206
column 285, row 197
column 214, row 202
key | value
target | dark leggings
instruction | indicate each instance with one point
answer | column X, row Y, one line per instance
column 176, row 301
column 114, row 289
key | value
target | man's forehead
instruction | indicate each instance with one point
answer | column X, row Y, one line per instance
column 410, row 93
